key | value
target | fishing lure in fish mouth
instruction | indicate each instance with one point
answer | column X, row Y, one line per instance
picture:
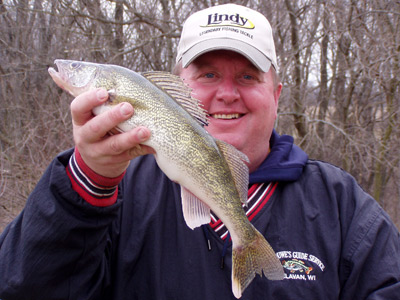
column 183, row 151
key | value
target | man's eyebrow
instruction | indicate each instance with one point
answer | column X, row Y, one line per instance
column 252, row 67
column 199, row 64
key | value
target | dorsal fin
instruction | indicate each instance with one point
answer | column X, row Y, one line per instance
column 175, row 87
column 236, row 162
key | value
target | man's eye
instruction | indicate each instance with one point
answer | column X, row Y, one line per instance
column 209, row 75
column 248, row 77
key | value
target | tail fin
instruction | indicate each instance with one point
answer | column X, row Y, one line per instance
column 254, row 257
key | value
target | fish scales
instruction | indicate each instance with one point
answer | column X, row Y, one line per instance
column 176, row 125
column 212, row 174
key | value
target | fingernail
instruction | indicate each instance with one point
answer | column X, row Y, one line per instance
column 142, row 134
column 126, row 109
column 102, row 94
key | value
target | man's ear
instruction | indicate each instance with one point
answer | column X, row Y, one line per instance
column 277, row 93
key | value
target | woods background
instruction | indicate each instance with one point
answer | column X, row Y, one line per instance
column 339, row 63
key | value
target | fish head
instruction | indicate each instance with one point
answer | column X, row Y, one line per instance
column 75, row 77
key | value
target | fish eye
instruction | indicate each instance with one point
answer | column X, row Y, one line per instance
column 74, row 65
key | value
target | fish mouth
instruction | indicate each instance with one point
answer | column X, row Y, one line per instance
column 53, row 71
column 58, row 76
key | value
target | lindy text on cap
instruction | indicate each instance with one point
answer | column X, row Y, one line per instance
column 228, row 20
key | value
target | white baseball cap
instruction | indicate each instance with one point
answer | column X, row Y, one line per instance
column 229, row 27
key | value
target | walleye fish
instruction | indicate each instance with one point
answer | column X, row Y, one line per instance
column 212, row 174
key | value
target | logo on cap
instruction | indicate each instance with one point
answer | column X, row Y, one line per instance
column 234, row 20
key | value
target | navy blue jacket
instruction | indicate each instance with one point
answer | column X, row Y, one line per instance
column 333, row 239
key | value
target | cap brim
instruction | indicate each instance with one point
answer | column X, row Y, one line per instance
column 262, row 62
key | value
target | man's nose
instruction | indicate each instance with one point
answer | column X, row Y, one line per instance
column 227, row 91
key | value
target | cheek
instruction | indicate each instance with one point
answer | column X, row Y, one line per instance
column 265, row 110
column 202, row 94
column 272, row 113
column 263, row 102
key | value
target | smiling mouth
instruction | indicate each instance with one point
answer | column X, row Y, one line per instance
column 226, row 116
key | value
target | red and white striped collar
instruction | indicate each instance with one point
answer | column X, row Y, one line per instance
column 258, row 196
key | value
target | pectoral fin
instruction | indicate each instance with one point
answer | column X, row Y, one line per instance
column 195, row 212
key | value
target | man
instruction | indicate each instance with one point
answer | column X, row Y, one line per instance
column 119, row 232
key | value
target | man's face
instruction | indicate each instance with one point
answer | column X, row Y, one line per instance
column 241, row 100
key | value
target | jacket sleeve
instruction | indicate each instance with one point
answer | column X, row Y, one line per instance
column 370, row 260
column 58, row 245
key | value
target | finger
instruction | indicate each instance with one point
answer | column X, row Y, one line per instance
column 139, row 150
column 127, row 141
column 111, row 156
column 82, row 105
column 97, row 127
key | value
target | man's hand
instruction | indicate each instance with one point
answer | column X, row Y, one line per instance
column 107, row 155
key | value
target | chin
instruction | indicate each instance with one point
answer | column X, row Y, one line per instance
column 231, row 140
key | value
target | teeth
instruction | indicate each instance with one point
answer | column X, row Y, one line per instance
column 226, row 116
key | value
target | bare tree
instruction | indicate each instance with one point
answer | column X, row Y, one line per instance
column 338, row 61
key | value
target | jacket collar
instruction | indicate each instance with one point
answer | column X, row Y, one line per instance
column 285, row 162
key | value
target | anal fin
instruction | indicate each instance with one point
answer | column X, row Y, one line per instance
column 195, row 211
